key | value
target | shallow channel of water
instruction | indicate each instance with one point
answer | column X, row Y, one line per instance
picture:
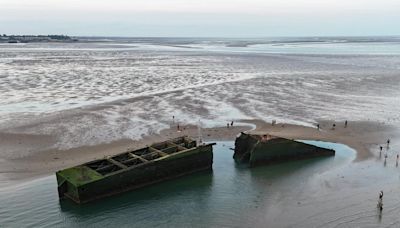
column 300, row 193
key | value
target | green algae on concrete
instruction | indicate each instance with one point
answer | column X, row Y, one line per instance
column 256, row 149
column 134, row 169
column 79, row 175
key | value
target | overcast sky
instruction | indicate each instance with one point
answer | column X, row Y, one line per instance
column 212, row 18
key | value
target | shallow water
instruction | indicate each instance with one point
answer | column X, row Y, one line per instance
column 321, row 192
column 304, row 193
column 91, row 93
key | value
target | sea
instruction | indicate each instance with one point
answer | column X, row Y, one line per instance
column 101, row 89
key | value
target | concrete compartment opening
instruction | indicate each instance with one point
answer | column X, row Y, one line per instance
column 103, row 167
column 128, row 159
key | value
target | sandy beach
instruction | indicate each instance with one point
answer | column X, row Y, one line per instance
column 66, row 104
column 26, row 159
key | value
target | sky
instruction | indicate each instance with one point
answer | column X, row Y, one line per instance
column 201, row 18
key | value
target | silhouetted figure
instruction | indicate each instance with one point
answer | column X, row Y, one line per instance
column 318, row 127
column 380, row 201
column 380, row 147
column 231, row 123
column 397, row 160
column 178, row 127
column 333, row 126
column 345, row 123
column 227, row 125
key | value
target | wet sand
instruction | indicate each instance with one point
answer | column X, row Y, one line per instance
column 28, row 156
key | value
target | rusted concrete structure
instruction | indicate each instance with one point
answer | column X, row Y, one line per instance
column 265, row 149
column 134, row 169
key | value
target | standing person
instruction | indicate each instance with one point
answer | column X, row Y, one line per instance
column 380, row 201
column 333, row 126
column 227, row 125
column 318, row 127
column 232, row 123
column 345, row 123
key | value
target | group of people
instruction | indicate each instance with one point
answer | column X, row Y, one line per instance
column 380, row 199
column 387, row 148
column 179, row 128
column 333, row 125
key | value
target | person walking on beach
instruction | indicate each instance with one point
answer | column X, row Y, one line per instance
column 380, row 201
column 231, row 123
column 333, row 126
column 227, row 125
column 318, row 127
column 345, row 123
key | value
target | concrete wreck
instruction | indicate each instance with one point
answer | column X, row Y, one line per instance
column 134, row 169
column 256, row 149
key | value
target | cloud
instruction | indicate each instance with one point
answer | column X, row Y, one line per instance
column 203, row 6
column 213, row 17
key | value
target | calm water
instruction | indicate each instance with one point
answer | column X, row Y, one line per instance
column 230, row 196
column 321, row 192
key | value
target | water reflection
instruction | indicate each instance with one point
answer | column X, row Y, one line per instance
column 230, row 195
column 167, row 191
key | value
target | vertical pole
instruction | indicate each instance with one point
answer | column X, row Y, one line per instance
column 199, row 134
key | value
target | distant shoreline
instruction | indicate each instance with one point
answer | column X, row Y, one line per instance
column 36, row 38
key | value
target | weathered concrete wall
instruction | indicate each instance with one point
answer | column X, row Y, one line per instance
column 256, row 149
column 71, row 184
column 244, row 144
column 148, row 173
